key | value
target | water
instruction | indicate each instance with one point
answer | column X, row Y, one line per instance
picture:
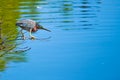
column 83, row 45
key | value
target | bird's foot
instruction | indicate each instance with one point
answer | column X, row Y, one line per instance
column 32, row 38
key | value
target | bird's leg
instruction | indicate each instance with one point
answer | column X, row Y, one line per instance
column 22, row 34
column 32, row 37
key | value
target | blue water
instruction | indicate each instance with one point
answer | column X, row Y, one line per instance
column 84, row 43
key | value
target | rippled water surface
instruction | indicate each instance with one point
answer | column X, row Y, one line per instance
column 83, row 45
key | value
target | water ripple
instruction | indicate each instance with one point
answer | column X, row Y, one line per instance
column 83, row 13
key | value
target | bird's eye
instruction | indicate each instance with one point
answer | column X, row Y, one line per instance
column 21, row 24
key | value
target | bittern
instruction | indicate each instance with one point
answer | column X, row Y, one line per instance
column 30, row 26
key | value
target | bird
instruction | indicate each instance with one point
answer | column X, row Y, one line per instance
column 29, row 25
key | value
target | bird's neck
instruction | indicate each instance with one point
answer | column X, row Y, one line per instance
column 34, row 29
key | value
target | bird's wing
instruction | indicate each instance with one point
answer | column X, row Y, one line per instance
column 29, row 23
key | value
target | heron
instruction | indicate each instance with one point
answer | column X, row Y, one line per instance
column 29, row 25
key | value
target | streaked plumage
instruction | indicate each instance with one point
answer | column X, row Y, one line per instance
column 29, row 25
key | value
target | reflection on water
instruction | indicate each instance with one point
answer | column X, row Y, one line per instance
column 69, row 14
column 64, row 14
column 83, row 44
column 29, row 10
column 9, row 34
column 81, row 14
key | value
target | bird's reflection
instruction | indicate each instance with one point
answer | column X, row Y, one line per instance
column 44, row 39
column 10, row 51
column 38, row 38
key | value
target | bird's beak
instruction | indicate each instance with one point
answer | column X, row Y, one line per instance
column 46, row 29
column 41, row 27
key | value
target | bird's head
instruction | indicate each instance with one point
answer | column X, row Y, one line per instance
column 19, row 24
